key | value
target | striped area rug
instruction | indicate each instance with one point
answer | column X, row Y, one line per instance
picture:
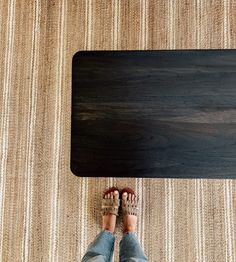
column 48, row 214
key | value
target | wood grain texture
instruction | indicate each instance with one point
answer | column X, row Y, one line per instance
column 154, row 114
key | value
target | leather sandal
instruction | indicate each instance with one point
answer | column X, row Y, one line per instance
column 109, row 205
column 129, row 207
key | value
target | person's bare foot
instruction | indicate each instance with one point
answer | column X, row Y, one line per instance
column 129, row 221
column 109, row 220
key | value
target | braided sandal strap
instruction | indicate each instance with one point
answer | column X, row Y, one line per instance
column 110, row 206
column 130, row 208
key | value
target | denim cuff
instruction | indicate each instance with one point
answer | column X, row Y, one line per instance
column 108, row 235
column 129, row 234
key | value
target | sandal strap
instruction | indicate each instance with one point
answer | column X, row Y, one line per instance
column 130, row 208
column 110, row 206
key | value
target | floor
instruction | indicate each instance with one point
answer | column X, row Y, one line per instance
column 48, row 214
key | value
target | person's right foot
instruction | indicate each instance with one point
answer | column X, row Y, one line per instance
column 129, row 221
column 109, row 220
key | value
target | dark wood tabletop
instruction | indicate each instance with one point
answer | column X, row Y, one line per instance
column 154, row 114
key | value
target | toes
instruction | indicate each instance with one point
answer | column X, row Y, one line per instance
column 124, row 196
column 133, row 197
column 116, row 194
column 111, row 195
column 130, row 197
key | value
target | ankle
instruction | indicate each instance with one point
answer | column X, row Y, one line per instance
column 129, row 229
column 108, row 229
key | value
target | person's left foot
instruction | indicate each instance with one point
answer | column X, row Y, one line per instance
column 129, row 219
column 109, row 220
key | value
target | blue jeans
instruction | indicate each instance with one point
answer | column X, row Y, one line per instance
column 101, row 249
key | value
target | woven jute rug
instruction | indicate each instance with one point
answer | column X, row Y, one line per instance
column 48, row 214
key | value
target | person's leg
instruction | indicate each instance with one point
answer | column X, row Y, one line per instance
column 130, row 249
column 101, row 249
